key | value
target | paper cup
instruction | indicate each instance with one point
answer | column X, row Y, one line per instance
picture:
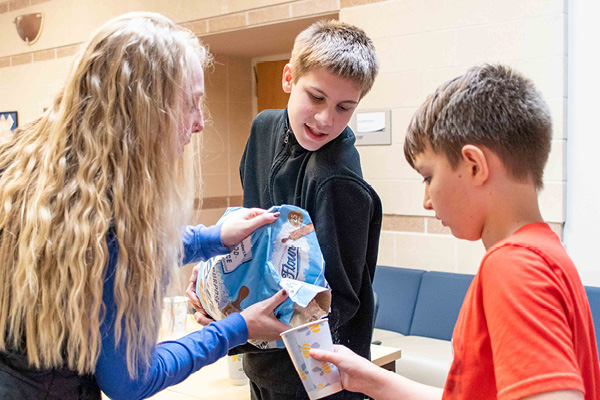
column 237, row 376
column 174, row 316
column 320, row 379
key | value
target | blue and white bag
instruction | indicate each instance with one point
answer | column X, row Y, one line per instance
column 283, row 254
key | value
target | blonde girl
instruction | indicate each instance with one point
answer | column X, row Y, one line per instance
column 93, row 195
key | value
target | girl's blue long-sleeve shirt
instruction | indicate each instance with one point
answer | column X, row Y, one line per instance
column 175, row 360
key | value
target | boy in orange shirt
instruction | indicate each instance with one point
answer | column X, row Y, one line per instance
column 525, row 329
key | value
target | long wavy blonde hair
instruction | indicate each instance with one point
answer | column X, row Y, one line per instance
column 103, row 158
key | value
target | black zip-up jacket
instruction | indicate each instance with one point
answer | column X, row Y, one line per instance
column 346, row 212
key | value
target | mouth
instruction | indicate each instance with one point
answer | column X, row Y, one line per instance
column 314, row 134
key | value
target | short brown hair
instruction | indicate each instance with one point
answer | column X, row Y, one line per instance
column 493, row 106
column 342, row 49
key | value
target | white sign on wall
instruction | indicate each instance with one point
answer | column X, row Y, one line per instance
column 372, row 127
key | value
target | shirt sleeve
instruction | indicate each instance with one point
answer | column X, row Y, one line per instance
column 201, row 243
column 172, row 362
column 344, row 209
column 528, row 321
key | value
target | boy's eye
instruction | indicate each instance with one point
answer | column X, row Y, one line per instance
column 316, row 98
column 427, row 180
column 343, row 109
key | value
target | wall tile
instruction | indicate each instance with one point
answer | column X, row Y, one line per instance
column 4, row 62
column 395, row 90
column 198, row 27
column 413, row 52
column 488, row 43
column 67, row 51
column 236, row 201
column 434, row 77
column 210, row 203
column 403, row 223
column 390, row 18
column 428, row 252
column 434, row 225
column 552, row 201
column 240, row 119
column 556, row 166
column 401, row 118
column 215, row 82
column 210, row 217
column 468, row 256
column 544, row 36
column 17, row 4
column 270, row 14
column 239, row 79
column 3, row 8
column 387, row 251
column 44, row 55
column 21, row 59
column 354, row 3
column 216, row 185
column 215, row 141
column 312, row 7
column 451, row 14
column 557, row 228
column 385, row 162
column 402, row 197
column 548, row 74
column 558, row 110
column 227, row 22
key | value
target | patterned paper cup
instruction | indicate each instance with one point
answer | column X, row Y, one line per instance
column 235, row 367
column 174, row 316
column 320, row 379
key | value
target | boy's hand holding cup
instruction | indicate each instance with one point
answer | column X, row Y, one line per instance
column 319, row 378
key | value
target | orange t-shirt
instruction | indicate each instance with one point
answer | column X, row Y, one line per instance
column 525, row 326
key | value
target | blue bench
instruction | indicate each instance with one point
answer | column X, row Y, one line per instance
column 417, row 313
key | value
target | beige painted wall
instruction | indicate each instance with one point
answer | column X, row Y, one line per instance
column 423, row 43
column 229, row 101
column 420, row 44
column 81, row 17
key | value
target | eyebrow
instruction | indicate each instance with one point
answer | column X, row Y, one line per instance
column 316, row 89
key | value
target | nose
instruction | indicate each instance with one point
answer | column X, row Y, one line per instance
column 427, row 200
column 198, row 125
column 324, row 117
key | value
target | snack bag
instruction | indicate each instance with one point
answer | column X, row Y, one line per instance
column 284, row 254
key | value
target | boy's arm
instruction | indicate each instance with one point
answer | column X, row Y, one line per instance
column 343, row 212
column 360, row 375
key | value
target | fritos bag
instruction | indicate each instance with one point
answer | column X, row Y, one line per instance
column 284, row 254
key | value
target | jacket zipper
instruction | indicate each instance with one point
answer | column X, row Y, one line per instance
column 279, row 160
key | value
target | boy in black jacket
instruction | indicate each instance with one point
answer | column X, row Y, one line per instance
column 305, row 156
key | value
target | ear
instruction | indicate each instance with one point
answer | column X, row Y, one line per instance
column 476, row 162
column 286, row 79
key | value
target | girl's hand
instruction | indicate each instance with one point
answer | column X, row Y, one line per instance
column 240, row 224
column 201, row 315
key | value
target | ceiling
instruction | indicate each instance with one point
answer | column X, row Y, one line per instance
column 260, row 41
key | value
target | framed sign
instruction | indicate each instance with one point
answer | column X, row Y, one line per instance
column 372, row 127
column 9, row 120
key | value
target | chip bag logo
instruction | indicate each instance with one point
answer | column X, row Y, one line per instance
column 295, row 218
column 289, row 269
